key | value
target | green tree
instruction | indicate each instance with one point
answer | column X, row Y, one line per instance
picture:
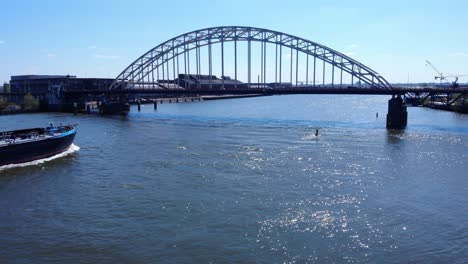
column 30, row 103
column 3, row 103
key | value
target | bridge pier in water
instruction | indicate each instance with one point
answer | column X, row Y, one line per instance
column 397, row 116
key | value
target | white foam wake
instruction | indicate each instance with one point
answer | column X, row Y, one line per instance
column 73, row 148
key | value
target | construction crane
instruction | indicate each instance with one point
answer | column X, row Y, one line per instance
column 440, row 76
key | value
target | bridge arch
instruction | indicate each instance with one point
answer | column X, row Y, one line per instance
column 162, row 58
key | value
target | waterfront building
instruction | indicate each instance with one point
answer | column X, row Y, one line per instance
column 48, row 89
column 37, row 84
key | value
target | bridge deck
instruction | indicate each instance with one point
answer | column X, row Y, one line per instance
column 271, row 91
column 284, row 91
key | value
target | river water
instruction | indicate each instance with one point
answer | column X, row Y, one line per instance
column 244, row 181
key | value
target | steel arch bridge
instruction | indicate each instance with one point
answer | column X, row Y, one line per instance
column 165, row 66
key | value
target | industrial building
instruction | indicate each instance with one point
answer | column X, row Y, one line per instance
column 193, row 81
column 48, row 89
column 37, row 84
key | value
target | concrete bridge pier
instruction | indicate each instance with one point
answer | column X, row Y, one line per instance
column 397, row 117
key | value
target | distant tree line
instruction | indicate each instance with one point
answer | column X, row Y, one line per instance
column 29, row 104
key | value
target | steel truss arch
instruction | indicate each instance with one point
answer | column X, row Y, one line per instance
column 146, row 64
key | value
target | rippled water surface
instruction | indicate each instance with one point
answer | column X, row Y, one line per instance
column 244, row 181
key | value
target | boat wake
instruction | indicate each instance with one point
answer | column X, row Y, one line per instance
column 73, row 148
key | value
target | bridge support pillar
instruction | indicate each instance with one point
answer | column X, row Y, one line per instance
column 139, row 106
column 397, row 117
column 155, row 105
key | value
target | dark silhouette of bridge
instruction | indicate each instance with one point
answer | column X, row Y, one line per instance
column 245, row 53
column 283, row 63
column 226, row 60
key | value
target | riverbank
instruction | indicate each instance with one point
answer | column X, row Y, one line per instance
column 463, row 109
column 16, row 112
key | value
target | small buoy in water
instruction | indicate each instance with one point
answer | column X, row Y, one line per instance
column 316, row 132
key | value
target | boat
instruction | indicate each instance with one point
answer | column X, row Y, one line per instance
column 25, row 145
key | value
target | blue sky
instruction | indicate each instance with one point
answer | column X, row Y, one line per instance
column 100, row 38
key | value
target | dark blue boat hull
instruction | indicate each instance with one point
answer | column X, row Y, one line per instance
column 26, row 152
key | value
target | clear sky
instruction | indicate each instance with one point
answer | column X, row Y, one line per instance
column 97, row 38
